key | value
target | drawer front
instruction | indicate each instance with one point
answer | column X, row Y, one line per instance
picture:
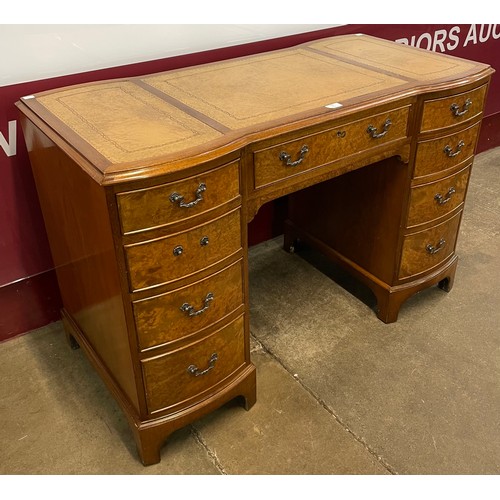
column 312, row 151
column 446, row 152
column 190, row 309
column 426, row 249
column 166, row 259
column 439, row 113
column 169, row 203
column 180, row 376
column 436, row 199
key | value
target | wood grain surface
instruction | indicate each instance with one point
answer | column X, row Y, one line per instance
column 147, row 184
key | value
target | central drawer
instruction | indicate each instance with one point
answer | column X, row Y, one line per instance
column 163, row 260
column 312, row 151
column 178, row 377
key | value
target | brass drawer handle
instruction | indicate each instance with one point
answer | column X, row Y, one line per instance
column 373, row 130
column 449, row 151
column 179, row 199
column 441, row 200
column 189, row 309
column 194, row 370
column 287, row 159
column 455, row 108
column 435, row 249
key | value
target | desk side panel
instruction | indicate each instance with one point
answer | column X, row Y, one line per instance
column 76, row 218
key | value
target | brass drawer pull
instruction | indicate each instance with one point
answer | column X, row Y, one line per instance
column 455, row 108
column 441, row 200
column 179, row 199
column 204, row 241
column 194, row 370
column 373, row 130
column 189, row 309
column 287, row 159
column 435, row 249
column 449, row 151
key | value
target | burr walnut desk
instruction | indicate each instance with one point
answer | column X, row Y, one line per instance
column 147, row 185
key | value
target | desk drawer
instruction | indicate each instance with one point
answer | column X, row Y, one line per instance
column 441, row 154
column 158, row 206
column 211, row 299
column 178, row 377
column 436, row 199
column 166, row 259
column 439, row 113
column 300, row 155
column 426, row 249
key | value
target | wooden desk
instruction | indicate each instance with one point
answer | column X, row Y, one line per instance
column 147, row 185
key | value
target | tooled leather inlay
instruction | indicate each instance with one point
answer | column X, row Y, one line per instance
column 269, row 87
column 125, row 122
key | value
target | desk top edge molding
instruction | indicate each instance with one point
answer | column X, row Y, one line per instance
column 227, row 141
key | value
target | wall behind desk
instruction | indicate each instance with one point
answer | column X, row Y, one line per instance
column 43, row 57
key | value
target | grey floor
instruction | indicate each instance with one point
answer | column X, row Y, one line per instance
column 339, row 392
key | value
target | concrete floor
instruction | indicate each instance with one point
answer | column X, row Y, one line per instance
column 339, row 392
